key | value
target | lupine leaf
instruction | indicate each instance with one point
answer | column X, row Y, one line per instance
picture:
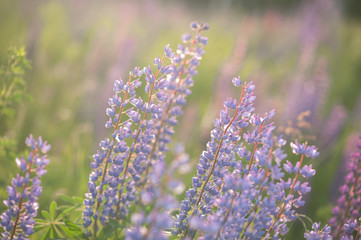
column 57, row 231
column 46, row 235
column 66, row 211
column 46, row 214
column 52, row 209
column 73, row 229
column 109, row 229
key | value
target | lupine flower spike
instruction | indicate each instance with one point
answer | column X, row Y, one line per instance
column 141, row 130
column 347, row 212
column 239, row 190
column 18, row 221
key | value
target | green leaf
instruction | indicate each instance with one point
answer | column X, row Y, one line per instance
column 40, row 224
column 51, row 233
column 73, row 227
column 66, row 211
column 78, row 199
column 69, row 233
column 46, row 215
column 47, row 234
column 52, row 209
column 108, row 230
column 41, row 221
column 38, row 228
column 57, row 231
column 72, row 230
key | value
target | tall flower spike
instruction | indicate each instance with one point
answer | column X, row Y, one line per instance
column 18, row 221
column 214, row 161
column 347, row 210
column 124, row 158
column 185, row 62
column 174, row 87
column 108, row 163
column 240, row 191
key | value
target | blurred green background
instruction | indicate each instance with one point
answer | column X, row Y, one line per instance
column 304, row 56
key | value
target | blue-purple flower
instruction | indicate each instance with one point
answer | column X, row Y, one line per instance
column 240, row 190
column 23, row 193
column 142, row 128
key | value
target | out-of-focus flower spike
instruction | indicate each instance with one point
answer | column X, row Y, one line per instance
column 347, row 210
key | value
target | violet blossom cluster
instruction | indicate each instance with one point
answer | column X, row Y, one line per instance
column 141, row 130
column 23, row 193
column 347, row 212
column 318, row 233
column 244, row 187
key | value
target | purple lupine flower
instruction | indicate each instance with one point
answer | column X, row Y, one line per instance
column 347, row 210
column 18, row 221
column 142, row 129
column 240, row 190
column 263, row 208
column 209, row 192
column 318, row 234
column 178, row 84
column 285, row 212
column 175, row 87
column 108, row 163
column 219, row 155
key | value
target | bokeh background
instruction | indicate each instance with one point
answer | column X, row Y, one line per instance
column 304, row 56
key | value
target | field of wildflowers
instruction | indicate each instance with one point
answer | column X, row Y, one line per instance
column 244, row 127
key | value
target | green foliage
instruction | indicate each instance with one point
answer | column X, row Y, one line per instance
column 58, row 225
column 12, row 80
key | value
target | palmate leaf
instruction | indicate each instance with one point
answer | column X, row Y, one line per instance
column 58, row 226
column 46, row 215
